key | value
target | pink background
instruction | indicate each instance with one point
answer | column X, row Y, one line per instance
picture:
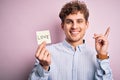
column 20, row 19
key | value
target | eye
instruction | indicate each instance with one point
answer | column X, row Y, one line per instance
column 79, row 21
column 68, row 21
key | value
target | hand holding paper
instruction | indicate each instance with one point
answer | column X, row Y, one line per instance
column 42, row 54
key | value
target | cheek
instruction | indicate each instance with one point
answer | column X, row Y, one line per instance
column 66, row 31
column 84, row 28
column 65, row 28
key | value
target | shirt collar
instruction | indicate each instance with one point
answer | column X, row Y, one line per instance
column 79, row 47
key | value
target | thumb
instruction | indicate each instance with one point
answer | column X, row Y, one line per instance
column 43, row 44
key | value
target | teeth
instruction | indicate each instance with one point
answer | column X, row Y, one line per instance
column 74, row 32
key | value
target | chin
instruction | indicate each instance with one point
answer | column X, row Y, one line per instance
column 75, row 39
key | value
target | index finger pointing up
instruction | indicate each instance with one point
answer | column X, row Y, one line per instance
column 107, row 32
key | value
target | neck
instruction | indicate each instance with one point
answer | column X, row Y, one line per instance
column 75, row 43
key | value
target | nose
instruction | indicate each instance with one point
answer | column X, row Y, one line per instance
column 74, row 25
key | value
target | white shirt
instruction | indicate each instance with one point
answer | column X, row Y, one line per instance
column 70, row 64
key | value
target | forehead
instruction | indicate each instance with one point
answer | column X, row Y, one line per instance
column 75, row 16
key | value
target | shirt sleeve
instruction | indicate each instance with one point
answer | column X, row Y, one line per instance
column 104, row 71
column 38, row 73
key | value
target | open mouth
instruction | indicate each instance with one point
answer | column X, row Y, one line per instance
column 74, row 32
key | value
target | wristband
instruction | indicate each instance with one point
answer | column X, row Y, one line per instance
column 102, row 57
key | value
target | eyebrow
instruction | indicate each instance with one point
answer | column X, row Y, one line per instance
column 69, row 20
column 80, row 19
column 76, row 19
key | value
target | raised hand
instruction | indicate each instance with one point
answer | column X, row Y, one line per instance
column 101, row 42
column 43, row 56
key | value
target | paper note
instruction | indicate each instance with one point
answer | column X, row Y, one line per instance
column 43, row 36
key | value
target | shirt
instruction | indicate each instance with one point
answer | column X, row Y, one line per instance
column 70, row 64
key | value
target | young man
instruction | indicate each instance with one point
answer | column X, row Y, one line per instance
column 73, row 59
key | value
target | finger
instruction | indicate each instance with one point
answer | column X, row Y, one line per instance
column 107, row 32
column 49, row 58
column 40, row 47
column 42, row 54
column 46, row 60
column 97, row 35
column 102, row 40
column 46, row 55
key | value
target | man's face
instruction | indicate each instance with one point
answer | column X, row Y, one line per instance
column 75, row 27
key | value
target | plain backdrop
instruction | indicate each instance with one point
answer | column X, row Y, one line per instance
column 20, row 19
